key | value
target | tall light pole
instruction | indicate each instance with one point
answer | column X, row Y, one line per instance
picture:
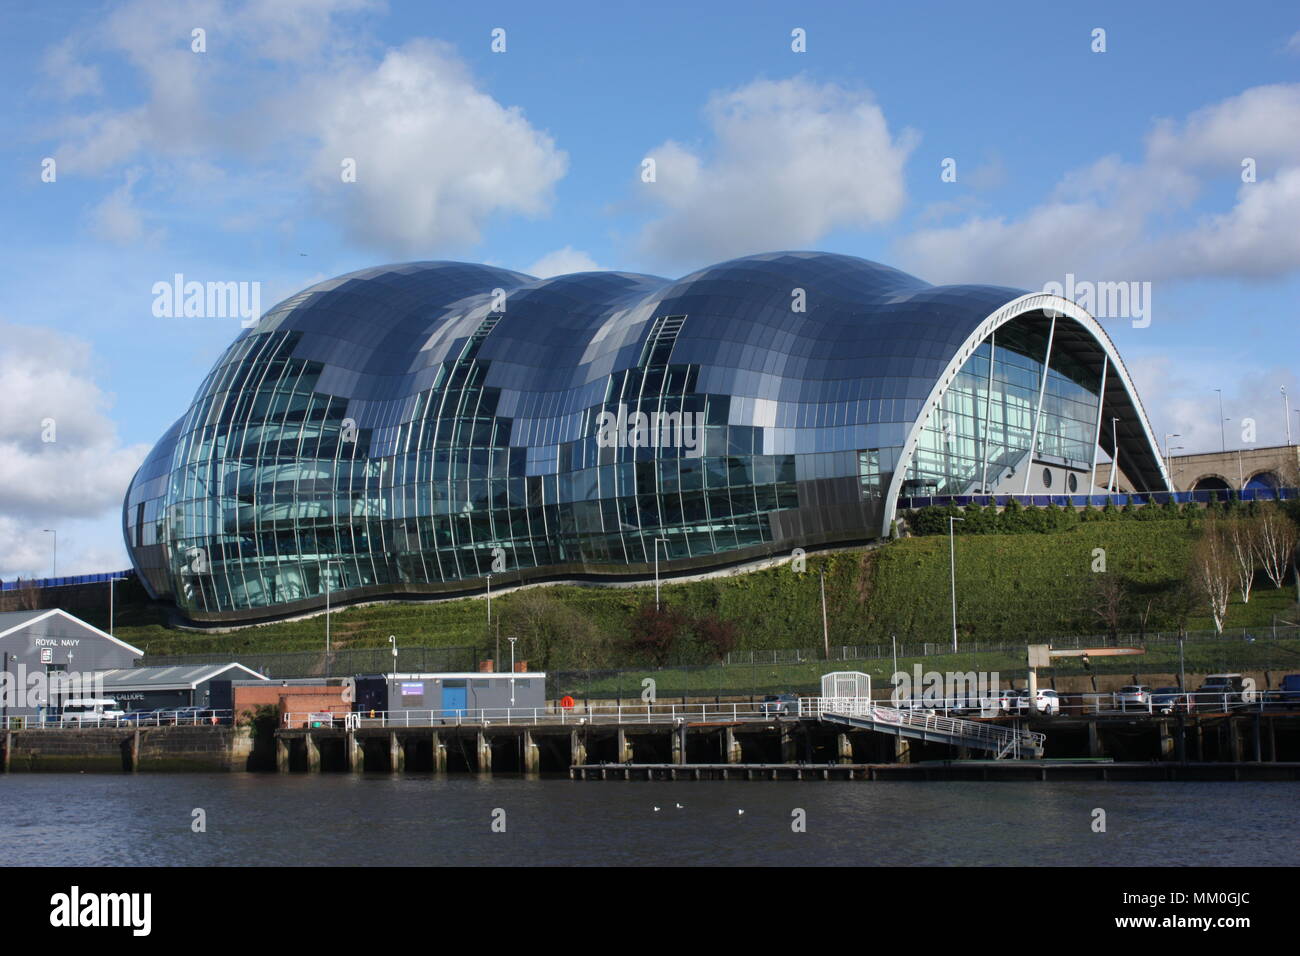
column 1113, row 484
column 665, row 541
column 952, row 567
column 489, row 610
column 512, row 670
column 110, row 603
column 1286, row 406
column 1169, row 461
column 392, row 640
column 826, row 634
column 54, row 561
column 338, row 561
column 1223, row 435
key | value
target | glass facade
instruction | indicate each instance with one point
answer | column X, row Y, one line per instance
column 984, row 426
column 411, row 429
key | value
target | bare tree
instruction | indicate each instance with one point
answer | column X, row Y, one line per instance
column 1108, row 596
column 551, row 633
column 1242, row 538
column 1213, row 570
column 1276, row 543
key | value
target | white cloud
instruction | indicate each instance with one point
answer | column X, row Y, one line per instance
column 435, row 157
column 1178, row 393
column 284, row 93
column 47, row 381
column 1103, row 220
column 71, row 77
column 790, row 161
column 116, row 217
column 562, row 262
column 1293, row 44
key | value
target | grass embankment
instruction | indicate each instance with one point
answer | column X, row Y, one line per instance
column 1279, row 657
column 1011, row 588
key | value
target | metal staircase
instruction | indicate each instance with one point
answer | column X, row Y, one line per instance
column 864, row 714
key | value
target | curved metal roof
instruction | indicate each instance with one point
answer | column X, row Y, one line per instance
column 861, row 321
column 819, row 355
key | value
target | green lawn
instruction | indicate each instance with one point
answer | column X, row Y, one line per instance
column 1011, row 589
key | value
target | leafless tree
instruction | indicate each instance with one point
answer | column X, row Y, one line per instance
column 1108, row 596
column 1213, row 570
column 1242, row 537
column 1276, row 543
column 551, row 633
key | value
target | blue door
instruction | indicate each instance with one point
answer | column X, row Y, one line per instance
column 454, row 699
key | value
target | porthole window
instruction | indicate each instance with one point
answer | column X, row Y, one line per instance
column 1073, row 482
column 1047, row 477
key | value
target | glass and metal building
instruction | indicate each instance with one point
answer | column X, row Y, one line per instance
column 408, row 430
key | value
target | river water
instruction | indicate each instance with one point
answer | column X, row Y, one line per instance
column 371, row 820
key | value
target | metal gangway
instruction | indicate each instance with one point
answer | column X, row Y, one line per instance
column 865, row 714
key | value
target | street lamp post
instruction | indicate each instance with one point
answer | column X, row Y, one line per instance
column 512, row 670
column 952, row 567
column 1169, row 461
column 388, row 682
column 1286, row 414
column 826, row 633
column 54, row 561
column 327, row 613
column 1113, row 484
column 665, row 541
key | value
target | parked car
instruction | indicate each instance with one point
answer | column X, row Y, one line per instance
column 780, row 705
column 188, row 715
column 917, row 702
column 91, row 710
column 1219, row 692
column 1048, row 702
column 1133, row 695
column 1166, row 700
column 1288, row 693
column 1013, row 700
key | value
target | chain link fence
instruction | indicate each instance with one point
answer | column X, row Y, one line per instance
column 875, row 652
column 760, row 672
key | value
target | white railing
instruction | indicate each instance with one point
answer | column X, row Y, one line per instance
column 994, row 705
column 1001, row 740
column 187, row 718
column 611, row 714
column 1148, row 702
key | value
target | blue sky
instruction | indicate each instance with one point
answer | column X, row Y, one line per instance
column 223, row 165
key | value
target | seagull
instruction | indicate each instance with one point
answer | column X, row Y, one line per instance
column 740, row 812
column 680, row 807
column 656, row 809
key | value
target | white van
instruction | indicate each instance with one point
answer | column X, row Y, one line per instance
column 91, row 710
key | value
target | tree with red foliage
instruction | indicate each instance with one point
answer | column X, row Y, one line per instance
column 717, row 636
column 654, row 633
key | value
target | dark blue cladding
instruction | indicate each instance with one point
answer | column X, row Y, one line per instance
column 409, row 429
